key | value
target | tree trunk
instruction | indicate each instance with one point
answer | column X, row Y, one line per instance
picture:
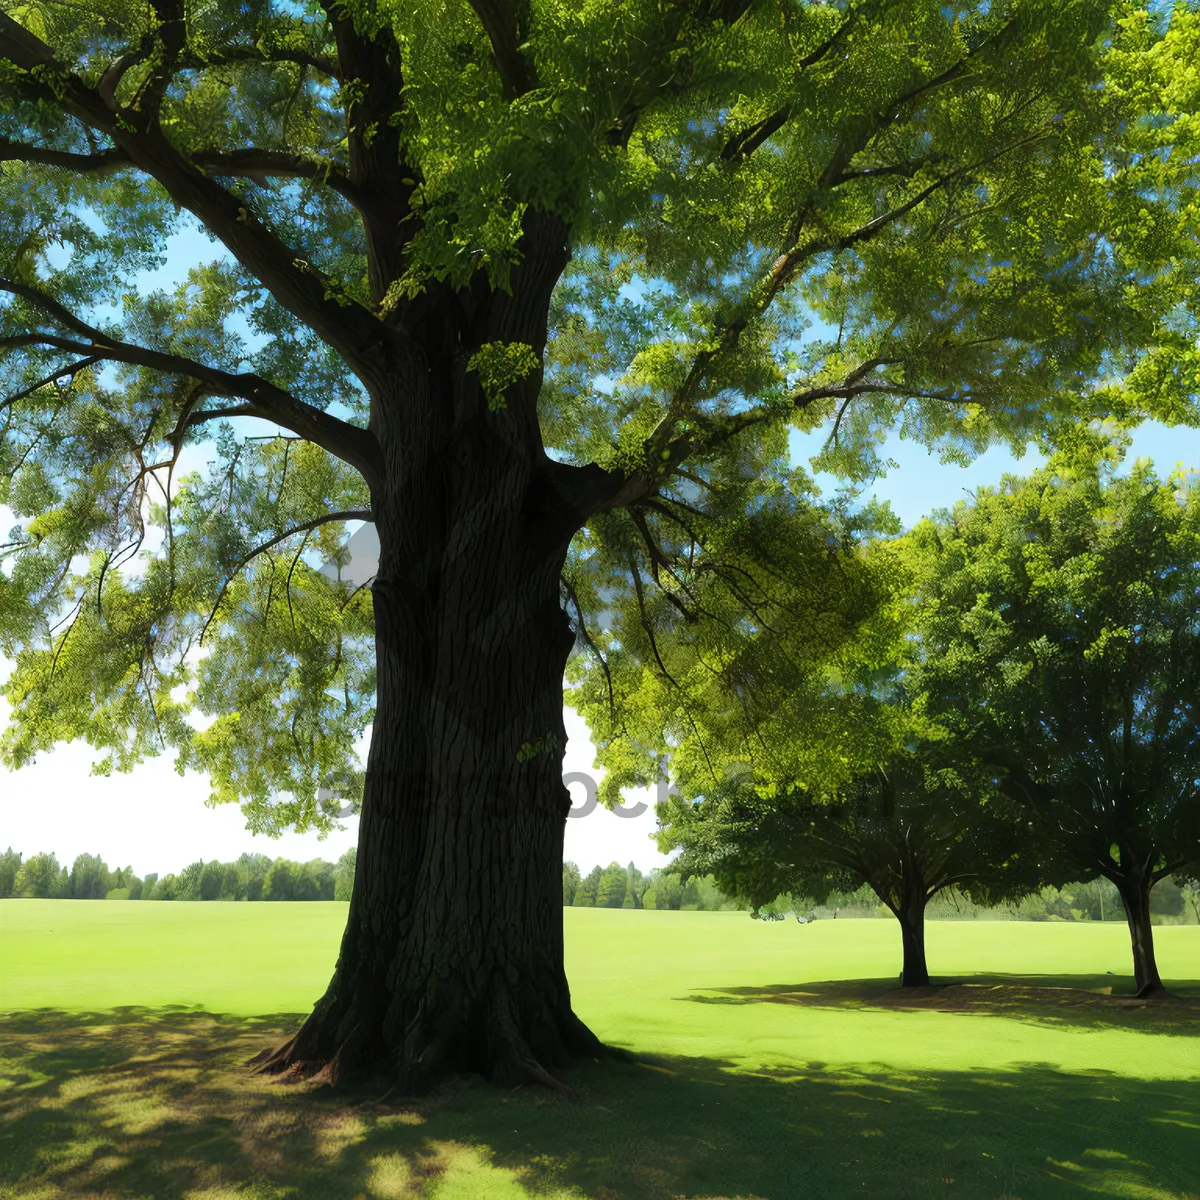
column 1135, row 894
column 911, row 915
column 452, row 958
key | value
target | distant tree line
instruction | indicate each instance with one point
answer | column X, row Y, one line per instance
column 1172, row 902
column 250, row 877
column 616, row 886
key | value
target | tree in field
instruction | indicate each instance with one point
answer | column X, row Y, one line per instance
column 610, row 892
column 282, row 881
column 887, row 798
column 39, row 877
column 905, row 835
column 1190, row 887
column 10, row 864
column 1064, row 634
column 90, row 878
column 427, row 213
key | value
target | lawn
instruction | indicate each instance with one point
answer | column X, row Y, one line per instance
column 773, row 1062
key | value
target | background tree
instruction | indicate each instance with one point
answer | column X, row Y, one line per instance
column 252, row 870
column 38, row 877
column 585, row 893
column 571, row 881
column 10, row 864
column 91, row 878
column 428, row 211
column 343, row 876
column 282, row 881
column 211, row 881
column 611, row 889
column 1063, row 631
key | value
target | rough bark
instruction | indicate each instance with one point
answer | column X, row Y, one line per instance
column 452, row 958
column 1135, row 895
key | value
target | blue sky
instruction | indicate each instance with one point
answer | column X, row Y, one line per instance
column 155, row 820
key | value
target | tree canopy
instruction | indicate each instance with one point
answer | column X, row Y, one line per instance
column 951, row 190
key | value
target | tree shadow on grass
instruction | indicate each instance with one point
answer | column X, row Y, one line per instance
column 158, row 1103
column 1084, row 1001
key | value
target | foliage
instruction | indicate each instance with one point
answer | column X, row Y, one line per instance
column 343, row 875
column 988, row 209
column 615, row 886
column 10, row 864
column 1062, row 628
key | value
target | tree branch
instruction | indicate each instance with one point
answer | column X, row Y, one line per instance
column 105, row 160
column 353, row 445
column 251, row 163
column 504, row 29
column 347, row 514
column 354, row 332
column 71, row 369
column 237, row 55
column 255, row 163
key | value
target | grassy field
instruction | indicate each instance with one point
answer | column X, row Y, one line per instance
column 774, row 1062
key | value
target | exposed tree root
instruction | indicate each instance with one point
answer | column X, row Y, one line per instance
column 346, row 1051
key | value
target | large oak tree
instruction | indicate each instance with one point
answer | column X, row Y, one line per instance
column 426, row 212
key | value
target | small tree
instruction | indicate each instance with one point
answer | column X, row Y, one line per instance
column 10, row 864
column 1190, row 887
column 904, row 829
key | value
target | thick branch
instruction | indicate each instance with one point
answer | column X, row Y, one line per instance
column 105, row 160
column 260, row 164
column 251, row 163
column 350, row 443
column 378, row 158
column 503, row 27
column 236, row 55
column 352, row 331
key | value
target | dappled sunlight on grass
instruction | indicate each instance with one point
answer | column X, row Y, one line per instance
column 164, row 1108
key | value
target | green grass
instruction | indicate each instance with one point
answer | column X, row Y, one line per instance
column 776, row 1062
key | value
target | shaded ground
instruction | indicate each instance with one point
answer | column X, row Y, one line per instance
column 1080, row 1001
column 155, row 1103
